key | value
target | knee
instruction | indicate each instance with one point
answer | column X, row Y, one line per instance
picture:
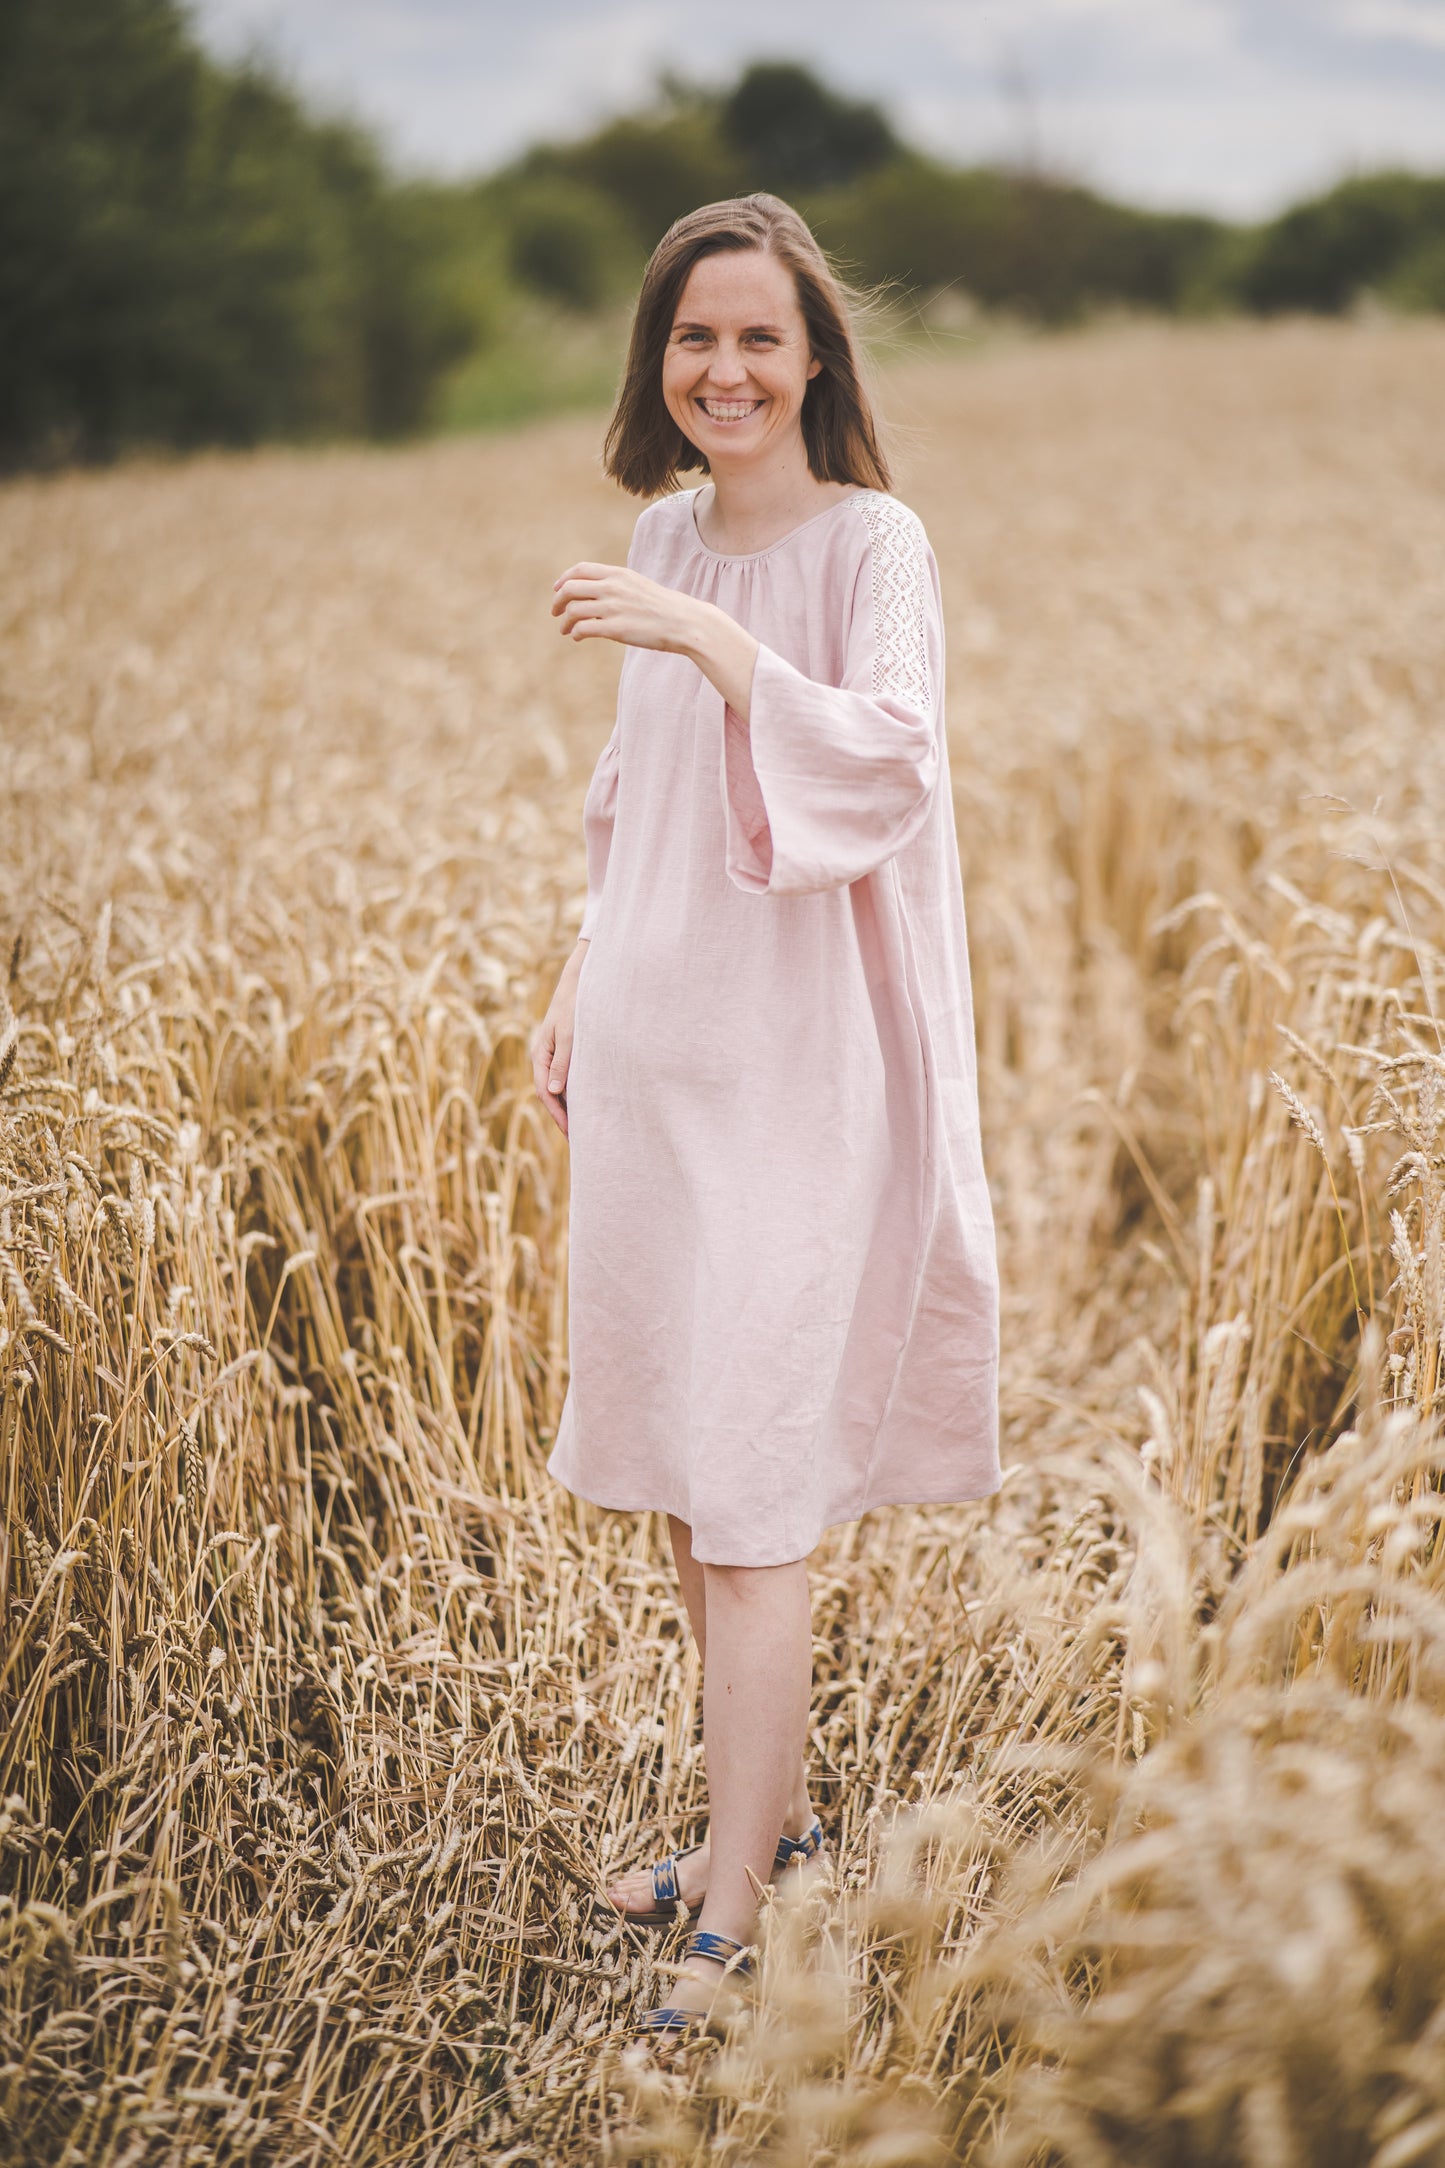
column 752, row 1585
column 731, row 1584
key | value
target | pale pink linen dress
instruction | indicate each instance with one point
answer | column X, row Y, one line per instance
column 782, row 1280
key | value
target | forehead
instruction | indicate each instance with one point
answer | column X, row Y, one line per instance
column 739, row 285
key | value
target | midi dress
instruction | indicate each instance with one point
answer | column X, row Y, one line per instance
column 782, row 1276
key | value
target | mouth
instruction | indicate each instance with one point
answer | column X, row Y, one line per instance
column 729, row 410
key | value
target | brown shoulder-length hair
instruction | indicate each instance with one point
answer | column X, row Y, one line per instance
column 645, row 450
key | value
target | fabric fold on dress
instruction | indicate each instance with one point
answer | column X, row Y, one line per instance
column 599, row 813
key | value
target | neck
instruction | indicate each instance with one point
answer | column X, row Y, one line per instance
column 752, row 506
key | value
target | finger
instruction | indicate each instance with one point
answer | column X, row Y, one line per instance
column 543, row 1047
column 580, row 614
column 572, row 590
column 587, row 570
column 589, row 607
column 561, row 1062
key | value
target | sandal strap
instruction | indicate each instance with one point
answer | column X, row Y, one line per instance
column 721, row 1949
column 796, row 1848
column 667, row 1895
column 668, row 2019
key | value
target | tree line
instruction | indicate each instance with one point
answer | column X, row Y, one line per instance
column 189, row 255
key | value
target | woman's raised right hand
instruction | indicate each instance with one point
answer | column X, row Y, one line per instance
column 552, row 1041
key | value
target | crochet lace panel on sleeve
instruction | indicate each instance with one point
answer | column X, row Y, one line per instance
column 900, row 574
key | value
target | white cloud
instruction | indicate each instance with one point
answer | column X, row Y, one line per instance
column 1188, row 23
column 1417, row 22
column 1231, row 104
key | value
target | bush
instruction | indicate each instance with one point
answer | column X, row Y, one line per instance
column 570, row 243
column 1011, row 240
column 434, row 292
column 551, row 360
column 652, row 168
column 1320, row 255
column 1419, row 282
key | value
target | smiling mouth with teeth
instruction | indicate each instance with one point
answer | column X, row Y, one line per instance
column 729, row 410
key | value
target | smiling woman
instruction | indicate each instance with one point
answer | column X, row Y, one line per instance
column 702, row 287
column 782, row 1282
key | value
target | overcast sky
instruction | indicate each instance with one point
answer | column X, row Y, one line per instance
column 1232, row 105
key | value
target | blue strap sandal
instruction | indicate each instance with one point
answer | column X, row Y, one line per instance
column 794, row 1851
column 666, row 1896
column 722, row 1950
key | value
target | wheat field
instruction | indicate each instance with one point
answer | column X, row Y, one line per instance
column 325, row 1712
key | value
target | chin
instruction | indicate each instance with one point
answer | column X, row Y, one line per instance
column 721, row 440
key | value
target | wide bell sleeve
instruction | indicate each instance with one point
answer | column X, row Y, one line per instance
column 599, row 811
column 824, row 783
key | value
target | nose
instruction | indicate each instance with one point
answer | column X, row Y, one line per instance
column 728, row 366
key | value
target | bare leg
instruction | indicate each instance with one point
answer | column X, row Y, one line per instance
column 693, row 1579
column 633, row 1892
column 756, row 1693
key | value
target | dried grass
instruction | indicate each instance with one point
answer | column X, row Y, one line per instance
column 324, row 1709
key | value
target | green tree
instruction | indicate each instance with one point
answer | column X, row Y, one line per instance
column 1019, row 241
column 187, row 256
column 1319, row 255
column 791, row 134
column 566, row 240
column 652, row 166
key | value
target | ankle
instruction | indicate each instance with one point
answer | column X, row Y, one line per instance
column 732, row 1924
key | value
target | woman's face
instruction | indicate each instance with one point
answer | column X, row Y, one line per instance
column 737, row 362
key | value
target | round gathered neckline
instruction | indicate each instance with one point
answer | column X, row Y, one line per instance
column 746, row 557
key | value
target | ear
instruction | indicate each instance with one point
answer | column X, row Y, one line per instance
column 814, row 367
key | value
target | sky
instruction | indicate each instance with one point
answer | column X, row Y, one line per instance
column 1234, row 106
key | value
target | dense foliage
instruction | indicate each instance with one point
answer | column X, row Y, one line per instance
column 1019, row 240
column 188, row 255
column 1384, row 231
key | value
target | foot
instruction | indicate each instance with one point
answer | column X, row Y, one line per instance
column 695, row 1986
column 633, row 1892
column 696, row 1982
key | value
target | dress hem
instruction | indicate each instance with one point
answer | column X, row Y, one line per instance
column 839, row 1520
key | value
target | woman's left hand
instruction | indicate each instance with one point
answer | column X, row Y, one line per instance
column 611, row 602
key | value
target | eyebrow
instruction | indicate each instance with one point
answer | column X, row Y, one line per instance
column 693, row 323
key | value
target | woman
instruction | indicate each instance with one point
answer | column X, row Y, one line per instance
column 782, row 1281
